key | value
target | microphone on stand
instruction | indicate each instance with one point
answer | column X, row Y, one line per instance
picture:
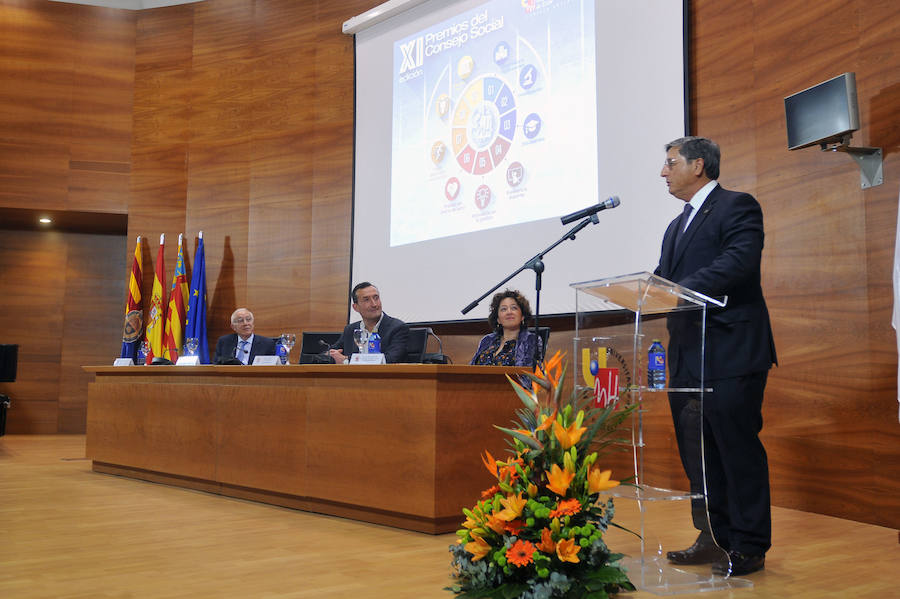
column 591, row 210
column 438, row 358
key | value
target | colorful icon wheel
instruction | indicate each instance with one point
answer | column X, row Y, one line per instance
column 484, row 124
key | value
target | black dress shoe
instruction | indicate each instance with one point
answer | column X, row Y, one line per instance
column 741, row 563
column 703, row 551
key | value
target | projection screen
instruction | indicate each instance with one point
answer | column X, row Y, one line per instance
column 479, row 124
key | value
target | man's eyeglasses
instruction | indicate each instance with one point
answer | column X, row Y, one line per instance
column 242, row 320
column 671, row 162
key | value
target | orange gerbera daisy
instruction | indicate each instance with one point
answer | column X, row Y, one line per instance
column 521, row 553
column 509, row 468
column 558, row 480
column 565, row 508
column 489, row 493
column 513, row 527
column 567, row 551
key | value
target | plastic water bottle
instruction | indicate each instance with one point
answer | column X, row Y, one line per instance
column 656, row 366
column 374, row 343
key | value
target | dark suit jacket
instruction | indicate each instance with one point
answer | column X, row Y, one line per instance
column 394, row 336
column 226, row 347
column 720, row 255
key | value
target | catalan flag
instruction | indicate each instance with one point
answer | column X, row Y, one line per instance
column 178, row 301
column 156, row 322
column 196, row 312
column 134, row 310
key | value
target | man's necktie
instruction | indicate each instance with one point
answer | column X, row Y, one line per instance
column 682, row 224
column 244, row 351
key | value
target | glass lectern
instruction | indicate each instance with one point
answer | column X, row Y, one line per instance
column 612, row 360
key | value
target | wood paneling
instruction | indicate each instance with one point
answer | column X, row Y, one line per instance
column 241, row 125
column 62, row 302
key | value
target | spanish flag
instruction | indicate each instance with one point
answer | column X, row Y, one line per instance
column 178, row 300
column 156, row 322
column 134, row 310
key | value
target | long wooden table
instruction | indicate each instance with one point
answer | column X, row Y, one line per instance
column 396, row 444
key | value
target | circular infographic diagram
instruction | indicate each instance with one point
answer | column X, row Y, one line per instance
column 484, row 124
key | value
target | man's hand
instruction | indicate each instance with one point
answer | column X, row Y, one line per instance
column 337, row 355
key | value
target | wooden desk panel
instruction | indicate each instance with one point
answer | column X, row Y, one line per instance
column 398, row 444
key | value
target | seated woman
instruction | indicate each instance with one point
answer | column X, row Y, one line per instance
column 511, row 343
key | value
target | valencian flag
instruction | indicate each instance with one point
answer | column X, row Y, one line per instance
column 134, row 310
column 177, row 316
column 156, row 321
column 196, row 312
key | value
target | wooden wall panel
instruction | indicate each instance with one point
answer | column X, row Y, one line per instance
column 826, row 265
column 242, row 126
column 62, row 301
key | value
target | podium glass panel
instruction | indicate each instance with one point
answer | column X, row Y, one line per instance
column 611, row 359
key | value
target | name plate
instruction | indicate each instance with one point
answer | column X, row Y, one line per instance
column 123, row 362
column 188, row 361
column 367, row 359
column 266, row 361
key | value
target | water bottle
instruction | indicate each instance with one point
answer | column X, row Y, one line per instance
column 656, row 366
column 374, row 343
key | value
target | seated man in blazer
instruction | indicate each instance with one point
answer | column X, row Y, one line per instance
column 243, row 344
column 394, row 333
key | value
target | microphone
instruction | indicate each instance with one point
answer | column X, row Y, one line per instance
column 609, row 203
column 326, row 345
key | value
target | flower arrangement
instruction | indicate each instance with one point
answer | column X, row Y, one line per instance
column 538, row 532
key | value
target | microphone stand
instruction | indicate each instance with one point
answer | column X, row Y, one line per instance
column 537, row 265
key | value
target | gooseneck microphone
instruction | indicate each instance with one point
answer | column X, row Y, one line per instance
column 608, row 203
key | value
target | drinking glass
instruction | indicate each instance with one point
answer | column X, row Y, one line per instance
column 361, row 339
column 191, row 345
column 288, row 340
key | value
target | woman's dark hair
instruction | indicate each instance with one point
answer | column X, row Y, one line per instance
column 524, row 306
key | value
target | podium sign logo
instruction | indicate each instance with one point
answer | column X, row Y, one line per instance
column 606, row 387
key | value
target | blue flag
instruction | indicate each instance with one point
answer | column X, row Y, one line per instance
column 196, row 312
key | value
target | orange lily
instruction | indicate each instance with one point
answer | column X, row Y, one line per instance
column 568, row 436
column 559, row 480
column 567, row 551
column 513, row 504
column 599, row 481
column 496, row 524
column 546, row 545
column 478, row 548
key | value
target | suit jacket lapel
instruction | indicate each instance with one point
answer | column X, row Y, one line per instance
column 708, row 205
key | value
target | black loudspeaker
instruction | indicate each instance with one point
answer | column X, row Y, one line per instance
column 9, row 359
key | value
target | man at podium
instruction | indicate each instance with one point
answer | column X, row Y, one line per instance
column 715, row 247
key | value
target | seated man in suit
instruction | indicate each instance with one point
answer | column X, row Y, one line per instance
column 394, row 333
column 243, row 344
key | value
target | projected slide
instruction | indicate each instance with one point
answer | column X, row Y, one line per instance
column 494, row 119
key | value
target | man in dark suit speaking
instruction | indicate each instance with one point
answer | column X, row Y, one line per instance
column 394, row 333
column 715, row 248
column 243, row 344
